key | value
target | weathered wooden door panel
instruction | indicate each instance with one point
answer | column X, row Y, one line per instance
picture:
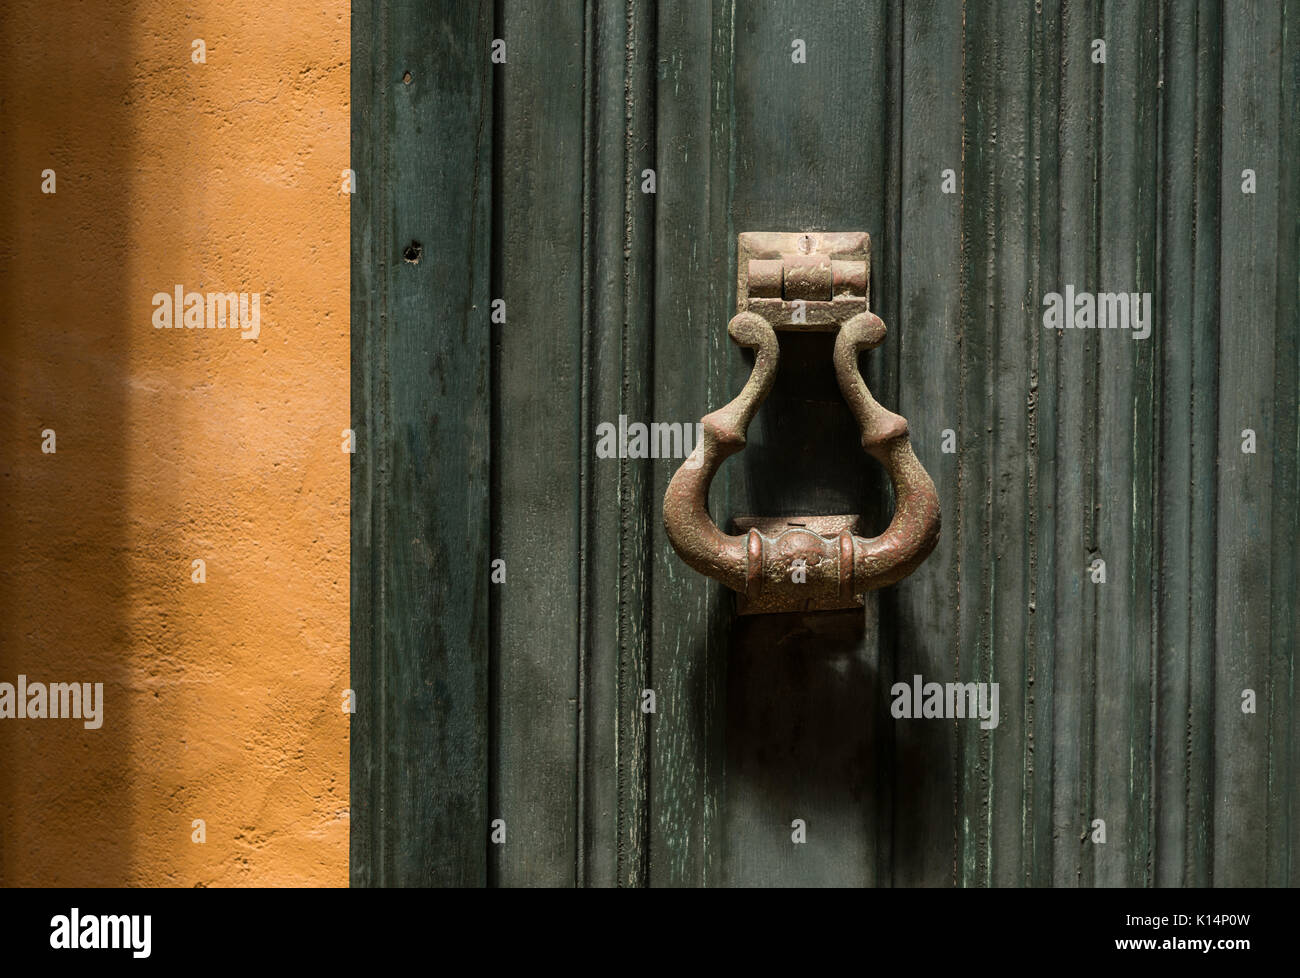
column 422, row 400
column 538, row 444
column 994, row 158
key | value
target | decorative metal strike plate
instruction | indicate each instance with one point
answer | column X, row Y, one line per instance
column 803, row 281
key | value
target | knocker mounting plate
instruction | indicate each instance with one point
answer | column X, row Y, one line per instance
column 803, row 280
column 810, row 280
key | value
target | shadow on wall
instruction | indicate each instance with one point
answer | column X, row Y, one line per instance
column 65, row 790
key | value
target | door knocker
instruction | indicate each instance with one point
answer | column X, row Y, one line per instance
column 811, row 281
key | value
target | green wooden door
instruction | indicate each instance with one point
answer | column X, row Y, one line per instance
column 1119, row 545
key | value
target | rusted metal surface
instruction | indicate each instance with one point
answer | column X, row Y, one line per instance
column 806, row 277
column 825, row 546
column 812, row 563
column 826, row 272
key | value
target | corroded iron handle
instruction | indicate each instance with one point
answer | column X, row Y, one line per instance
column 837, row 566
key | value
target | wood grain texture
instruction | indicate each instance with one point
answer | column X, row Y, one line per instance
column 1283, row 815
column 1074, row 356
column 1043, row 428
column 1124, row 429
column 690, row 366
column 800, row 164
column 926, row 338
column 606, row 194
column 1119, row 701
column 1247, row 319
column 1185, row 474
column 420, row 402
column 537, row 446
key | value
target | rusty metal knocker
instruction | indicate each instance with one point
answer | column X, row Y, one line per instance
column 805, row 281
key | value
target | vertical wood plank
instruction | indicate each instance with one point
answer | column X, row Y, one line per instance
column 636, row 501
column 1001, row 209
column 537, row 447
column 619, row 146
column 1044, row 424
column 925, row 609
column 605, row 200
column 1243, row 626
column 800, row 163
column 1016, row 323
column 1187, row 345
column 1203, row 542
column 692, row 277
column 420, row 401
column 1074, row 394
column 1284, row 729
column 976, row 444
column 1126, row 246
column 1179, row 140
column 621, row 506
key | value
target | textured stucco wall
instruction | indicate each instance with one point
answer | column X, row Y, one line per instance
column 222, row 699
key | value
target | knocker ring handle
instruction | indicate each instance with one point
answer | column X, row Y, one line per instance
column 838, row 566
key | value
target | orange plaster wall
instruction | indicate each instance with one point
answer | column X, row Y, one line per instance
column 222, row 699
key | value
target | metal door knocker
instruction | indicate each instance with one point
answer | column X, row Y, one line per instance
column 811, row 281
